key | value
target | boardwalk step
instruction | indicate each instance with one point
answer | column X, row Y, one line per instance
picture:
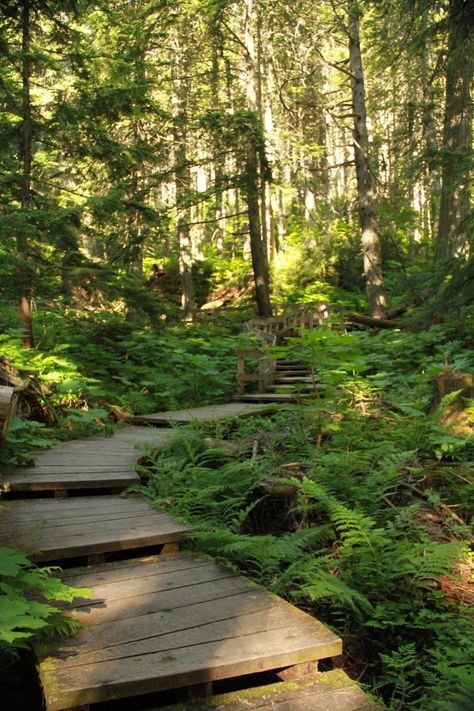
column 286, row 364
column 271, row 397
column 329, row 691
column 295, row 387
column 58, row 529
column 94, row 463
column 293, row 373
column 204, row 414
column 163, row 623
column 293, row 379
column 283, row 365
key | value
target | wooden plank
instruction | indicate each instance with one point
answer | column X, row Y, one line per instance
column 264, row 620
column 137, row 629
column 211, row 630
column 95, row 480
column 36, row 508
column 155, row 582
column 76, row 462
column 330, row 691
column 294, row 379
column 53, row 512
column 149, row 603
column 205, row 414
column 168, row 669
column 129, row 569
column 76, row 525
column 123, row 442
column 272, row 397
column 90, row 525
column 97, row 462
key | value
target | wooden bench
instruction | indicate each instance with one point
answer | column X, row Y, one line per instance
column 7, row 406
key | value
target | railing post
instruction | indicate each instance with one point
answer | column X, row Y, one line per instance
column 240, row 374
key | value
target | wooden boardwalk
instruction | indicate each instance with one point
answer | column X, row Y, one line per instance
column 93, row 463
column 158, row 624
column 331, row 691
column 205, row 414
column 153, row 623
column 58, row 529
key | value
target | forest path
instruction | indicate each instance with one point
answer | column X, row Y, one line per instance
column 165, row 621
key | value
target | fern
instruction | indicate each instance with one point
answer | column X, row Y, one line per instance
column 26, row 594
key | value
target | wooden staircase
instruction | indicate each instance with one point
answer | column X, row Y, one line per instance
column 277, row 380
column 288, row 382
column 157, row 619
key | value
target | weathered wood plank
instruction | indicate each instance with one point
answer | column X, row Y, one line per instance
column 77, row 525
column 167, row 669
column 130, row 569
column 67, row 481
column 93, row 463
column 54, row 511
column 155, row 583
column 168, row 629
column 330, row 691
column 248, row 624
column 271, row 397
column 38, row 526
column 140, row 629
column 149, row 603
column 205, row 414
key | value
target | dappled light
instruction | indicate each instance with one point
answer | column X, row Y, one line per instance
column 236, row 354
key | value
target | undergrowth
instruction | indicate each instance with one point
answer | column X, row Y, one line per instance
column 355, row 506
column 27, row 609
column 90, row 370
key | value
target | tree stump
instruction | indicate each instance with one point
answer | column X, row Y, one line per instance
column 7, row 400
column 449, row 382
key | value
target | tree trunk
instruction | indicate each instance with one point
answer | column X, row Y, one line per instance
column 179, row 65
column 370, row 238
column 26, row 160
column 257, row 245
column 430, row 137
column 255, row 178
column 453, row 232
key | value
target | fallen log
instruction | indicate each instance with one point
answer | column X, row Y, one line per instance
column 364, row 320
column 401, row 308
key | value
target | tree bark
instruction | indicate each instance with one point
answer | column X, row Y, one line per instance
column 257, row 245
column 453, row 231
column 26, row 160
column 373, row 322
column 371, row 249
column 182, row 175
column 254, row 173
column 430, row 137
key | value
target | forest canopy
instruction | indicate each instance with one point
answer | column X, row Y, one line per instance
column 301, row 147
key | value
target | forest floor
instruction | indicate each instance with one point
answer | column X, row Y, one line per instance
column 355, row 505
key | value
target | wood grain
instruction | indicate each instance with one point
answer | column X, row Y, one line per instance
column 217, row 625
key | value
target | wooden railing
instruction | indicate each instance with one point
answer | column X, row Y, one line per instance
column 265, row 374
column 270, row 331
column 291, row 319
